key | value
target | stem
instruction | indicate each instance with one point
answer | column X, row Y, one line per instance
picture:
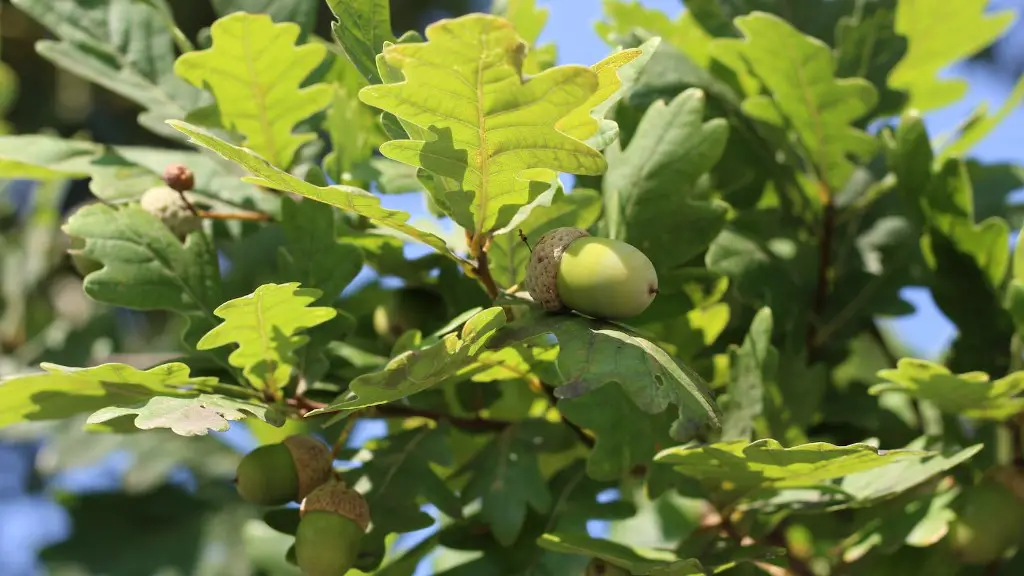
column 478, row 246
column 582, row 434
column 305, row 405
column 828, row 225
column 246, row 216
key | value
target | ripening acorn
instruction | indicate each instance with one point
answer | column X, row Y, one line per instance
column 333, row 520
column 167, row 204
column 991, row 518
column 599, row 277
column 407, row 309
column 276, row 474
column 599, row 567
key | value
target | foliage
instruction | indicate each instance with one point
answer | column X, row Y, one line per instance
column 755, row 419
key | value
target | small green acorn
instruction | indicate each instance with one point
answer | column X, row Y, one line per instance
column 334, row 519
column 167, row 204
column 276, row 474
column 599, row 567
column 990, row 519
column 599, row 277
column 407, row 309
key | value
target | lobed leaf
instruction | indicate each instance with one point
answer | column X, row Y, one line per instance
column 638, row 561
column 489, row 129
column 593, row 354
column 362, row 28
column 189, row 416
column 255, row 72
column 971, row 394
column 750, row 365
column 347, row 198
column 39, row 157
column 938, row 34
column 302, row 13
column 806, row 96
column 414, row 371
column 61, row 392
column 265, row 326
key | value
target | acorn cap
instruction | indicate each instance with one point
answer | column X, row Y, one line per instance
column 313, row 462
column 542, row 271
column 338, row 498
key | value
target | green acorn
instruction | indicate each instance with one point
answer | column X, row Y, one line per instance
column 334, row 519
column 599, row 277
column 991, row 518
column 276, row 474
column 167, row 204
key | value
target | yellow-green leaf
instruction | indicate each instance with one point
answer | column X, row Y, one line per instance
column 255, row 71
column 972, row 394
column 265, row 326
column 492, row 131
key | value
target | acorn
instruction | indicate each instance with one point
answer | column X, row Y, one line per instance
column 571, row 270
column 172, row 209
column 333, row 520
column 990, row 520
column 599, row 567
column 276, row 474
column 407, row 309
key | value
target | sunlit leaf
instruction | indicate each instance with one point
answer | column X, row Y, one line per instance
column 972, row 394
column 188, row 416
column 260, row 96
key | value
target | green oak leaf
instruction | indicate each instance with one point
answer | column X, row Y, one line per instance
column 871, row 486
column 61, row 392
column 347, row 198
column 938, row 34
column 638, row 561
column 508, row 255
column 616, row 75
column 189, row 416
column 41, row 157
column 311, row 255
column 981, row 124
column 489, row 129
column 416, row 370
column 400, row 469
column 650, row 189
column 362, row 28
column 529, row 21
column 972, row 394
column 593, row 354
column 124, row 46
column 684, row 33
column 626, row 435
column 750, row 366
column 740, row 470
column 353, row 129
column 302, row 13
column 799, row 72
column 868, row 46
column 265, row 326
column 145, row 267
column 506, row 476
column 260, row 96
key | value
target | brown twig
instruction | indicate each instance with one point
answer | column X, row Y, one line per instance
column 828, row 225
column 243, row 215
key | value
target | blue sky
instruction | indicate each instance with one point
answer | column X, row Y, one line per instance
column 26, row 522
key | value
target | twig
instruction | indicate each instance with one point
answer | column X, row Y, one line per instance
column 482, row 269
column 824, row 262
column 582, row 434
column 305, row 405
column 242, row 215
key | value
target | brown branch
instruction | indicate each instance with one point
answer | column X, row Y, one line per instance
column 244, row 215
column 828, row 225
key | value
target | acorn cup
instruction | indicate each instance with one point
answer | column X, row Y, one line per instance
column 276, row 474
column 599, row 277
column 334, row 519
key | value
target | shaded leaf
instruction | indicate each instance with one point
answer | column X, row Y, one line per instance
column 488, row 130
column 189, row 416
column 265, row 326
column 972, row 394
column 594, row 353
column 311, row 255
column 362, row 28
column 806, row 96
column 259, row 96
column 638, row 561
column 938, row 34
column 347, row 198
column 749, row 366
column 301, row 12
column 651, row 191
column 40, row 157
